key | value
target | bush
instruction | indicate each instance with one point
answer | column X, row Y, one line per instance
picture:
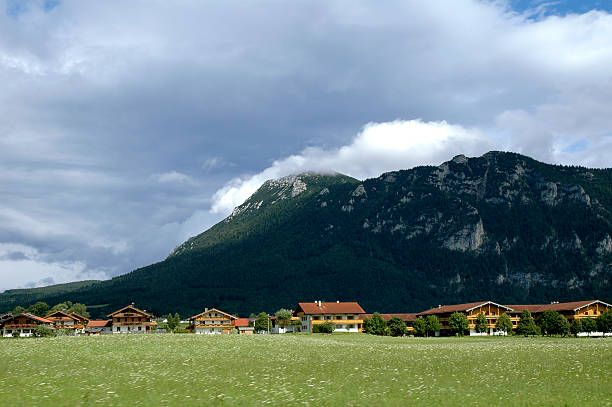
column 375, row 325
column 44, row 331
column 324, row 328
column 397, row 327
column 181, row 331
column 458, row 323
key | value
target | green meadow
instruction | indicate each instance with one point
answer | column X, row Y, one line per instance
column 317, row 370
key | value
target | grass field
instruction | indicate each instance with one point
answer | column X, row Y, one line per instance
column 327, row 370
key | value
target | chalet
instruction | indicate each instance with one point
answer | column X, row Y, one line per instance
column 73, row 322
column 570, row 310
column 130, row 319
column 212, row 321
column 97, row 327
column 346, row 316
column 491, row 311
column 23, row 324
column 407, row 318
column 243, row 327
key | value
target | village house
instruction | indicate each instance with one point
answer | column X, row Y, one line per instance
column 23, row 324
column 243, row 327
column 73, row 322
column 346, row 316
column 490, row 309
column 212, row 321
column 97, row 327
column 130, row 319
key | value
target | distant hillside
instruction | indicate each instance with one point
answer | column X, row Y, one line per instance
column 26, row 296
column 502, row 226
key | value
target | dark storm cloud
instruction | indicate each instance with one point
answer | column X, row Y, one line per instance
column 121, row 120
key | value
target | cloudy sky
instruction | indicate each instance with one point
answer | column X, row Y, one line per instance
column 127, row 127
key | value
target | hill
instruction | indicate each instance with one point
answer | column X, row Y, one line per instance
column 502, row 226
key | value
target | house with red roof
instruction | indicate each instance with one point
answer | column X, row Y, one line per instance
column 22, row 324
column 243, row 327
column 99, row 326
column 346, row 316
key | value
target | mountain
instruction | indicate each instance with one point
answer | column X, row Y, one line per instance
column 502, row 226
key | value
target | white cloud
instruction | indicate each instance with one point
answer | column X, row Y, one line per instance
column 378, row 148
column 172, row 177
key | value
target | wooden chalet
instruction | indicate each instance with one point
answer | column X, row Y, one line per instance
column 22, row 324
column 212, row 321
column 130, row 319
column 72, row 322
column 490, row 309
column 570, row 310
column 346, row 316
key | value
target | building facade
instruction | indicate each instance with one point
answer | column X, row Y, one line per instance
column 23, row 324
column 73, row 323
column 130, row 319
column 346, row 316
column 212, row 321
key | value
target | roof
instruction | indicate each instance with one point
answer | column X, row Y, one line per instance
column 57, row 315
column 557, row 306
column 523, row 307
column 79, row 316
column 240, row 322
column 387, row 317
column 309, row 308
column 31, row 316
column 447, row 309
column 136, row 310
column 213, row 310
column 99, row 323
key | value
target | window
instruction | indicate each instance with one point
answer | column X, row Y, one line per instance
column 328, row 317
column 316, row 317
column 140, row 328
column 338, row 326
column 338, row 316
column 350, row 326
column 118, row 329
column 350, row 317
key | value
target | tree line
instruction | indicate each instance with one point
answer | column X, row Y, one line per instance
column 42, row 309
column 549, row 323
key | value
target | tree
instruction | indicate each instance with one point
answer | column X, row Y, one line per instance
column 604, row 322
column 576, row 327
column 563, row 327
column 62, row 306
column 39, row 309
column 589, row 325
column 397, row 327
column 283, row 317
column 18, row 310
column 262, row 323
column 326, row 327
column 504, row 324
column 375, row 325
column 553, row 323
column 458, row 323
column 526, row 325
column 419, row 327
column 480, row 324
column 432, row 324
column 173, row 321
column 80, row 309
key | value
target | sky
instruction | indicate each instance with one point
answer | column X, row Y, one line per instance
column 128, row 127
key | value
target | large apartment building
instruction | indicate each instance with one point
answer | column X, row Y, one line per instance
column 130, row 319
column 346, row 316
column 212, row 321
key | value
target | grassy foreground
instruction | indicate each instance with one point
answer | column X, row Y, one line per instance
column 316, row 370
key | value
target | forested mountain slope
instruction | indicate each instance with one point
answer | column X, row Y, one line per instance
column 502, row 226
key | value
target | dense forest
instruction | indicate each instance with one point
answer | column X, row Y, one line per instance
column 502, row 227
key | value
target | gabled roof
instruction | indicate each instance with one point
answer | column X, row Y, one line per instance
column 60, row 315
column 310, row 308
column 570, row 306
column 79, row 317
column 212, row 310
column 522, row 307
column 387, row 317
column 136, row 310
column 446, row 309
column 31, row 316
column 99, row 323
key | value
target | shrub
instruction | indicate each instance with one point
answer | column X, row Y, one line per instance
column 375, row 325
column 43, row 331
column 458, row 323
column 324, row 328
column 397, row 327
